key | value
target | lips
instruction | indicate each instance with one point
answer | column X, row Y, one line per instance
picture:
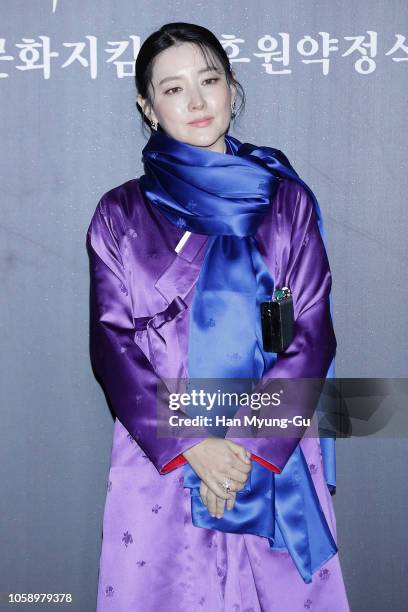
column 201, row 122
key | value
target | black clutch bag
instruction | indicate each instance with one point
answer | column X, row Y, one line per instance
column 277, row 320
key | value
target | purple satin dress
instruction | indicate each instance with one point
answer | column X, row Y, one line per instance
column 153, row 557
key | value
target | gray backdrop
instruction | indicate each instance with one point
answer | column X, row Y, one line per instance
column 69, row 132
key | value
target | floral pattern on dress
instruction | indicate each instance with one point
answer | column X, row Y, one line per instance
column 127, row 538
column 132, row 232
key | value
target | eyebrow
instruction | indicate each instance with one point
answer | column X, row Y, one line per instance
column 174, row 78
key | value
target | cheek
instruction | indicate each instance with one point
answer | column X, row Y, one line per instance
column 221, row 100
column 171, row 110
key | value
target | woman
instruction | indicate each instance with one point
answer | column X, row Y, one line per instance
column 181, row 260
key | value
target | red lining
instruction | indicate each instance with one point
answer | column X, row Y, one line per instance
column 181, row 460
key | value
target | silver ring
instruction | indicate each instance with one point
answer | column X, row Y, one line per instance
column 227, row 484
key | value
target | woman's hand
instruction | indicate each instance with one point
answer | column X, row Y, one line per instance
column 213, row 460
column 216, row 505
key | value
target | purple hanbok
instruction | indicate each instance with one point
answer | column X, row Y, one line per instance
column 153, row 557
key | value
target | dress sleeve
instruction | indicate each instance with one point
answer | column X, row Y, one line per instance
column 313, row 347
column 123, row 369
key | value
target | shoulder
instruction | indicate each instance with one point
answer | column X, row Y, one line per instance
column 120, row 199
column 294, row 201
column 293, row 189
column 292, row 212
column 118, row 206
column 297, row 196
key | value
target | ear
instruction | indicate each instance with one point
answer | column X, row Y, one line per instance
column 141, row 101
column 233, row 90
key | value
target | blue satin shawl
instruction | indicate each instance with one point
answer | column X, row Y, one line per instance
column 225, row 197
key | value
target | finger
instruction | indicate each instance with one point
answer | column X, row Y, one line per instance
column 236, row 487
column 235, row 462
column 236, row 476
column 231, row 501
column 212, row 503
column 217, row 489
column 240, row 451
column 233, row 487
column 237, row 481
column 240, row 470
column 220, row 507
column 203, row 492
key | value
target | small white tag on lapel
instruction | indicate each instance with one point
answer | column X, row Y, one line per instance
column 182, row 241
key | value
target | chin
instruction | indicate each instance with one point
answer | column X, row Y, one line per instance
column 205, row 139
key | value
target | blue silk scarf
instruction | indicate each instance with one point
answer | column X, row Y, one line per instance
column 225, row 197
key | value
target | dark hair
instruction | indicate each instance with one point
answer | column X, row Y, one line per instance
column 175, row 34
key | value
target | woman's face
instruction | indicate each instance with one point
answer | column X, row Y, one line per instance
column 185, row 91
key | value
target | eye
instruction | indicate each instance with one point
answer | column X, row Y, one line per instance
column 172, row 89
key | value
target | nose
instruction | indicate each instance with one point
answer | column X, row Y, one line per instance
column 196, row 101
